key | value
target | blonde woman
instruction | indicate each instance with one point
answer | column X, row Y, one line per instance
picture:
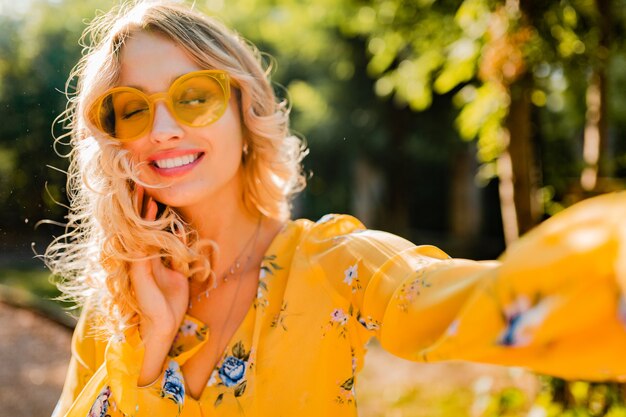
column 201, row 298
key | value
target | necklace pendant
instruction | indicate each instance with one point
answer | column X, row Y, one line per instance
column 235, row 270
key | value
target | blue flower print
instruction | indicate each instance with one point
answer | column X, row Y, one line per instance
column 508, row 336
column 522, row 318
column 173, row 386
column 232, row 371
column 101, row 404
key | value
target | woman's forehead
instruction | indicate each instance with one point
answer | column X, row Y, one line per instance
column 150, row 61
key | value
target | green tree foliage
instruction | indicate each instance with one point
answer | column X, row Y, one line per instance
column 425, row 47
column 334, row 106
column 324, row 65
column 38, row 47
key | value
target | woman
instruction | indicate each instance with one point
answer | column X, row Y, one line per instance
column 202, row 298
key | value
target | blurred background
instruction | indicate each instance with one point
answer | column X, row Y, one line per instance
column 456, row 123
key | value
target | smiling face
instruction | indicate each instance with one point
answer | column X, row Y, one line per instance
column 198, row 164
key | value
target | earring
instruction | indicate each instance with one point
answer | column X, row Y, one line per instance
column 245, row 149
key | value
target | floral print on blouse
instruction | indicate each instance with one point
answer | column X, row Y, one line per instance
column 101, row 404
column 553, row 303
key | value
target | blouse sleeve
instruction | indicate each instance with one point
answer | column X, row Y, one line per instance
column 552, row 304
column 102, row 376
column 86, row 355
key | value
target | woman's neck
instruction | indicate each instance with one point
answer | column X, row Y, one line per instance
column 224, row 220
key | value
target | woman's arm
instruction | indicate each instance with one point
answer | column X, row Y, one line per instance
column 554, row 304
column 162, row 295
column 86, row 357
column 121, row 372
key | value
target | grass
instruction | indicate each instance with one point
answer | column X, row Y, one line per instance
column 35, row 281
column 413, row 401
column 32, row 288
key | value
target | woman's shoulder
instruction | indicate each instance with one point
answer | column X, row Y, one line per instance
column 333, row 224
column 327, row 230
column 335, row 234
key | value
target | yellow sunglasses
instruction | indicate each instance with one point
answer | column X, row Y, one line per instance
column 195, row 99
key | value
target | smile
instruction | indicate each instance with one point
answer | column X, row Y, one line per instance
column 179, row 161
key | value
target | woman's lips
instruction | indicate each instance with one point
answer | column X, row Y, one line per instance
column 176, row 165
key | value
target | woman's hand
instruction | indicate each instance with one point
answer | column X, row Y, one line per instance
column 162, row 295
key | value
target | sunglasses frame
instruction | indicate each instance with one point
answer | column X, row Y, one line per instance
column 222, row 78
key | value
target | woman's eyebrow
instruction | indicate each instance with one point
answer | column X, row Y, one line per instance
column 136, row 87
column 171, row 81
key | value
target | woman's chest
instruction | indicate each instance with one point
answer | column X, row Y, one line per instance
column 229, row 317
column 298, row 355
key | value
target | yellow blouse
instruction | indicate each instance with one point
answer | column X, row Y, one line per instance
column 553, row 304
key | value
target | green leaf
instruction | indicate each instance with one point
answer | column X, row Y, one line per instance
column 459, row 67
column 348, row 384
column 241, row 388
column 276, row 266
column 238, row 350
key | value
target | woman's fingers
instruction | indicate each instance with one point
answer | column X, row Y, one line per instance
column 138, row 199
column 141, row 277
column 161, row 292
column 145, row 205
column 150, row 209
column 173, row 285
column 167, row 278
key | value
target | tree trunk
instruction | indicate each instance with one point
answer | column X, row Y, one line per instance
column 506, row 191
column 397, row 170
column 368, row 189
column 465, row 199
column 519, row 191
column 504, row 63
column 595, row 140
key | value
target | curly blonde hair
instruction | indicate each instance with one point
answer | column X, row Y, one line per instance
column 104, row 232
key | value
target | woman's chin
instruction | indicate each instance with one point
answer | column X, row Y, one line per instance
column 173, row 200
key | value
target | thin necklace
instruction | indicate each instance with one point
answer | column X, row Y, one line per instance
column 236, row 265
column 232, row 304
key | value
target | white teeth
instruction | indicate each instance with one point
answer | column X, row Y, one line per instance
column 179, row 161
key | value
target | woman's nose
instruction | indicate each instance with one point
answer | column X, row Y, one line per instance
column 165, row 127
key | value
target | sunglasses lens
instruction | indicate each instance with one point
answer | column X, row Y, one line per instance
column 199, row 100
column 122, row 114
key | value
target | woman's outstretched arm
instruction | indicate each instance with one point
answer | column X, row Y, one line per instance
column 553, row 303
